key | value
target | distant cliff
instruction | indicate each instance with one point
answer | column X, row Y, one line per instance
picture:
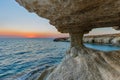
column 113, row 39
column 64, row 39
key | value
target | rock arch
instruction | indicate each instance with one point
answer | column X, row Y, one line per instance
column 78, row 17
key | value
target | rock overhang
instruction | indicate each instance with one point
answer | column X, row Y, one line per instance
column 75, row 16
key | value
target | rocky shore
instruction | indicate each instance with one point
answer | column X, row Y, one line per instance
column 113, row 39
column 78, row 17
column 110, row 39
column 64, row 39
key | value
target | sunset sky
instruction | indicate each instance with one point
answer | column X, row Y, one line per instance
column 15, row 21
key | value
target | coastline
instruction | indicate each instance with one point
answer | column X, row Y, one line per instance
column 107, row 39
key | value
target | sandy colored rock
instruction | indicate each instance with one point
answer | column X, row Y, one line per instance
column 77, row 17
column 110, row 39
column 88, row 65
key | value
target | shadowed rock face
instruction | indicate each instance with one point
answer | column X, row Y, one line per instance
column 82, row 15
column 77, row 17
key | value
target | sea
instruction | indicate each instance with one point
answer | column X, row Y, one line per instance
column 22, row 59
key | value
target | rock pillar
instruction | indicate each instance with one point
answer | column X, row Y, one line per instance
column 77, row 39
column 76, row 44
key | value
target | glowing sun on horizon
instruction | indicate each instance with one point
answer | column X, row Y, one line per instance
column 31, row 36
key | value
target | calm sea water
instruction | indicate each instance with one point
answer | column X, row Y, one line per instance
column 21, row 58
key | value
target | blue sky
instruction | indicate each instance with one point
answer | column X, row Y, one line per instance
column 15, row 17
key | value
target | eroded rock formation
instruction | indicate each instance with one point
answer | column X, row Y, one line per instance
column 77, row 17
column 108, row 39
column 111, row 39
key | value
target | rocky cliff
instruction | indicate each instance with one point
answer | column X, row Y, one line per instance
column 78, row 17
column 112, row 39
column 108, row 39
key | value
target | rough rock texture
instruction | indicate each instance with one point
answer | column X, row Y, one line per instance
column 112, row 39
column 103, row 40
column 77, row 17
column 109, row 39
column 88, row 65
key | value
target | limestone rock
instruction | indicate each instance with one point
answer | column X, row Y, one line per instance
column 96, row 65
column 116, row 41
column 112, row 39
column 88, row 65
column 76, row 15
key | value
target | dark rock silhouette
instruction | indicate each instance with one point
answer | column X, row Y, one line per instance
column 64, row 39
